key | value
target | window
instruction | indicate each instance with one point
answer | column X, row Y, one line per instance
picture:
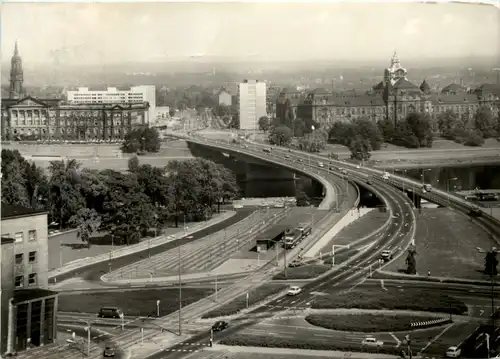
column 32, row 235
column 32, row 279
column 19, row 281
column 19, row 237
column 32, row 257
column 19, row 258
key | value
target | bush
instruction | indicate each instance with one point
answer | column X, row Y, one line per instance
column 367, row 323
column 308, row 342
column 391, row 299
column 303, row 272
column 473, row 139
column 238, row 304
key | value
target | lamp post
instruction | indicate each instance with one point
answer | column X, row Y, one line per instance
column 180, row 284
column 448, row 187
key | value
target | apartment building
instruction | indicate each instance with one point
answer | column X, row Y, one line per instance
column 252, row 102
column 136, row 94
column 31, row 316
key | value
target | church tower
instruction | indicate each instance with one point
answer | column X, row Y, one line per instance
column 16, row 75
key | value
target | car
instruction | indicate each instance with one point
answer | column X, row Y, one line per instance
column 453, row 352
column 108, row 352
column 294, row 290
column 287, row 156
column 299, row 160
column 372, row 342
column 295, row 263
column 220, row 326
column 344, row 172
column 320, row 164
column 110, row 312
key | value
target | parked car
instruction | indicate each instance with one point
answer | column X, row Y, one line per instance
column 294, row 290
column 108, row 352
column 321, row 164
column 295, row 263
column 220, row 326
column 453, row 352
column 372, row 342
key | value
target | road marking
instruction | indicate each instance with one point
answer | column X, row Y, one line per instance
column 322, row 335
column 396, row 339
column 481, row 311
column 436, row 337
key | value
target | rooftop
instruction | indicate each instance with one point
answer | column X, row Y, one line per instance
column 453, row 99
column 10, row 211
column 23, row 295
column 404, row 84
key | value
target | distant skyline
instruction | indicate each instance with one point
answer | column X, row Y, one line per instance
column 94, row 33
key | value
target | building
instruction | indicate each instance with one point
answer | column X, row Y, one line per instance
column 162, row 113
column 52, row 120
column 32, row 307
column 252, row 101
column 16, row 89
column 393, row 98
column 7, row 288
column 224, row 98
column 134, row 95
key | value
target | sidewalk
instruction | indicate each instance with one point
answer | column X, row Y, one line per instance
column 301, row 352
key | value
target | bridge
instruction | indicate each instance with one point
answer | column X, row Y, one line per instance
column 412, row 188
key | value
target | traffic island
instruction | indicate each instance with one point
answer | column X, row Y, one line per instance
column 374, row 323
column 305, row 342
column 133, row 302
column 391, row 299
column 246, row 301
column 307, row 271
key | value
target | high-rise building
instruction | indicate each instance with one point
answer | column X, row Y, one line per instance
column 136, row 94
column 29, row 308
column 252, row 99
column 16, row 89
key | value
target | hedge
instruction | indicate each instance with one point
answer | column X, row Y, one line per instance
column 366, row 323
column 303, row 272
column 392, row 300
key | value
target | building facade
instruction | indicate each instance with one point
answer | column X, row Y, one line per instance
column 51, row 120
column 252, row 103
column 7, row 287
column 224, row 98
column 32, row 307
column 393, row 98
column 134, row 95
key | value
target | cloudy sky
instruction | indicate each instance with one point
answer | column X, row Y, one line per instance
column 108, row 33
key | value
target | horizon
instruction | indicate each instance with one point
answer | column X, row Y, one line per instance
column 234, row 33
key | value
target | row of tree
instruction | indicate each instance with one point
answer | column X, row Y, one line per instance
column 470, row 133
column 128, row 204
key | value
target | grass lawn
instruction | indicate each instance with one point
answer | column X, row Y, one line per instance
column 133, row 303
column 255, row 296
column 366, row 323
column 446, row 244
column 303, row 272
column 359, row 228
column 309, row 342
column 391, row 299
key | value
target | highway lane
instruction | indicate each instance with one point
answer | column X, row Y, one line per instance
column 93, row 272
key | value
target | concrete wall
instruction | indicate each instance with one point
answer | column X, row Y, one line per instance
column 11, row 227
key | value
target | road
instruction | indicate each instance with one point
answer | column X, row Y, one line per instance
column 345, row 277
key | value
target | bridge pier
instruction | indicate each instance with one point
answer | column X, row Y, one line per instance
column 415, row 198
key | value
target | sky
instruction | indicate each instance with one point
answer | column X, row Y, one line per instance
column 93, row 33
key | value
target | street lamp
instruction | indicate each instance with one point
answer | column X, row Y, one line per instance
column 448, row 187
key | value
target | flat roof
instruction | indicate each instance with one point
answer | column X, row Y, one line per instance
column 10, row 211
column 24, row 295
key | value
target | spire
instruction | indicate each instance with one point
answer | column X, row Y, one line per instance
column 425, row 88
column 16, row 51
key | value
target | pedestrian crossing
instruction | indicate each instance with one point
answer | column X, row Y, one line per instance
column 187, row 347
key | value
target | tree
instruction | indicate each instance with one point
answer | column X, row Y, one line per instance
column 222, row 110
column 368, row 130
column 360, row 148
column 280, row 136
column 235, row 121
column 171, row 111
column 411, row 261
column 88, row 222
column 420, row 125
column 387, row 129
column 404, row 136
column 491, row 263
column 301, row 198
column 312, row 142
column 447, row 122
column 141, row 140
column 133, row 164
column 483, row 122
column 14, row 185
column 264, row 123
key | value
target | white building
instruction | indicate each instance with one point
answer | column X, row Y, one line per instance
column 136, row 94
column 252, row 96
